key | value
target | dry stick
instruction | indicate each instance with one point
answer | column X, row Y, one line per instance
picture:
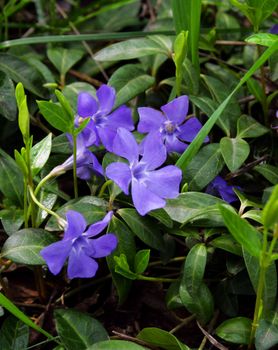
column 85, row 77
column 134, row 340
column 208, row 336
column 233, row 43
column 184, row 322
column 87, row 47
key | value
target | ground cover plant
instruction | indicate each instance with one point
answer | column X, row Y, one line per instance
column 138, row 174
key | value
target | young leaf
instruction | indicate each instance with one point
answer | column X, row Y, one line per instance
column 270, row 172
column 249, row 127
column 235, row 330
column 23, row 113
column 63, row 59
column 7, row 100
column 65, row 105
column 122, row 267
column 270, row 211
column 141, row 261
column 244, row 233
column 14, row 334
column 40, row 154
column 234, row 151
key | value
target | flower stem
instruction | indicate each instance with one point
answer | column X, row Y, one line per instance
column 155, row 279
column 104, row 186
column 75, row 167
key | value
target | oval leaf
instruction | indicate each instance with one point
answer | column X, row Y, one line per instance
column 236, row 330
column 234, row 151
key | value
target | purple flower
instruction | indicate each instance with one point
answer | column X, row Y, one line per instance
column 104, row 123
column 149, row 187
column 274, row 29
column 219, row 188
column 86, row 162
column 170, row 124
column 79, row 248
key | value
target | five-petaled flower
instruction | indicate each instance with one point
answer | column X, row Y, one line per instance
column 79, row 248
column 170, row 124
column 219, row 188
column 149, row 187
column 103, row 121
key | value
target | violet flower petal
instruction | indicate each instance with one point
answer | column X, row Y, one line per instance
column 56, row 254
column 154, row 152
column 80, row 265
column 177, row 109
column 99, row 226
column 102, row 246
column 120, row 118
column 86, row 105
column 165, row 182
column 143, row 199
column 125, row 145
column 106, row 96
column 173, row 144
column 76, row 225
column 219, row 187
column 190, row 129
column 120, row 173
column 150, row 119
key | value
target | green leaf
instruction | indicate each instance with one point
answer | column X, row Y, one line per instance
column 160, row 338
column 78, row 330
column 7, row 100
column 11, row 219
column 270, row 281
column 126, row 246
column 116, row 345
column 122, row 267
column 194, row 268
column 195, row 207
column 244, row 233
column 162, row 217
column 63, row 59
column 14, row 334
column 234, row 151
column 249, row 127
column 143, row 228
column 190, row 77
column 48, row 199
column 172, row 297
column 134, row 48
column 23, row 113
column 141, row 261
column 202, row 304
column 235, row 330
column 71, row 92
column 270, row 172
column 256, row 89
column 267, row 333
column 40, row 154
column 20, row 71
column 24, row 246
column 11, row 180
column 20, row 161
column 270, row 211
column 228, row 244
column 129, row 81
column 92, row 208
column 205, row 166
column 65, row 105
column 56, row 116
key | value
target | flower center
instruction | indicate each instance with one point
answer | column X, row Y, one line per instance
column 169, row 127
column 139, row 171
column 99, row 119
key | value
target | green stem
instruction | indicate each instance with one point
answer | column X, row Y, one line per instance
column 40, row 205
column 104, row 186
column 75, row 167
column 25, row 203
column 155, row 279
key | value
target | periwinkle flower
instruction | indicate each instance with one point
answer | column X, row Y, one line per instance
column 86, row 162
column 174, row 132
column 274, row 29
column 104, row 122
column 149, row 187
column 219, row 188
column 78, row 247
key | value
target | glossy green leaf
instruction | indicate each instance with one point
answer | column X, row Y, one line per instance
column 129, row 80
column 20, row 161
column 134, row 48
column 23, row 112
column 48, row 199
column 235, row 330
column 14, row 334
column 40, row 154
column 78, row 330
column 267, row 333
column 172, row 297
column 92, row 208
column 141, row 261
column 65, row 105
column 195, row 207
column 270, row 282
column 20, row 71
column 56, row 116
column 256, row 89
column 227, row 243
column 143, row 228
column 244, row 233
column 270, row 211
column 11, row 180
column 234, row 151
column 249, row 127
column 194, row 268
column 160, row 338
column 162, row 217
column 24, row 246
column 11, row 219
column 190, row 78
column 205, row 166
column 270, row 172
column 63, row 59
column 7, row 100
column 116, row 345
column 126, row 246
column 122, row 267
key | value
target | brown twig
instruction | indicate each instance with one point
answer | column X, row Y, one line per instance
column 85, row 77
column 134, row 340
